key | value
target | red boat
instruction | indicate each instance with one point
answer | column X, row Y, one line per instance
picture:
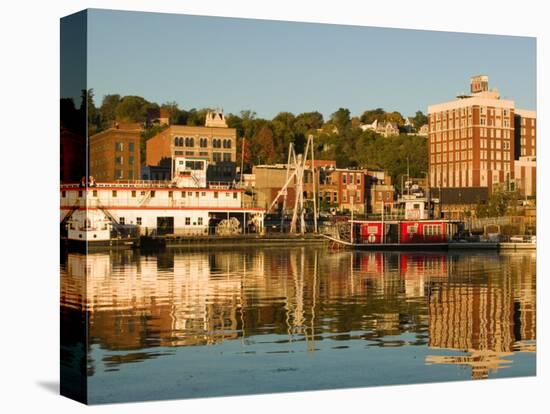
column 394, row 235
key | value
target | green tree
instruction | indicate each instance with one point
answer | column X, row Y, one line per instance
column 419, row 120
column 341, row 119
column 107, row 110
column 371, row 115
column 132, row 109
column 395, row 117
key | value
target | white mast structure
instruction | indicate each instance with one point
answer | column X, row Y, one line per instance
column 296, row 166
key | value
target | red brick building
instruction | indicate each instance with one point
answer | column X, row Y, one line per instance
column 114, row 153
column 473, row 139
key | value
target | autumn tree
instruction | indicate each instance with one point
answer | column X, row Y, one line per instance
column 265, row 152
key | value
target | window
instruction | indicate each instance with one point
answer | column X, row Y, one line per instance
column 80, row 193
column 114, row 193
column 131, row 160
column 170, row 194
column 122, row 220
column 215, row 194
column 130, row 174
column 152, row 193
column 226, row 156
column 183, row 194
column 412, row 229
column 63, row 194
column 235, row 195
column 203, row 142
column 199, row 221
column 131, row 147
column 203, row 194
column 187, row 221
column 119, row 160
column 119, row 146
column 216, row 156
column 138, row 221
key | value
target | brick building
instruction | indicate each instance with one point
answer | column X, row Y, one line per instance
column 474, row 141
column 214, row 141
column 114, row 153
column 471, row 139
column 340, row 189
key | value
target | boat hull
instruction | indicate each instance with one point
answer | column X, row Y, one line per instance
column 388, row 246
column 92, row 245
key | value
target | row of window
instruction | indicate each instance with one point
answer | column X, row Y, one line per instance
column 468, row 111
column 440, row 126
column 119, row 146
column 468, row 133
column 139, row 221
column 119, row 160
column 203, row 142
column 432, row 229
column 524, row 132
column 348, row 178
column 119, row 174
column 468, row 166
column 183, row 194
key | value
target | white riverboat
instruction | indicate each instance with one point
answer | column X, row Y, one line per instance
column 118, row 213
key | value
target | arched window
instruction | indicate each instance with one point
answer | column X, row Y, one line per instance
column 227, row 143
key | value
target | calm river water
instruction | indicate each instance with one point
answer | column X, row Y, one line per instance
column 186, row 323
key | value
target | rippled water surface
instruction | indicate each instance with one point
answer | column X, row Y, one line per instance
column 187, row 323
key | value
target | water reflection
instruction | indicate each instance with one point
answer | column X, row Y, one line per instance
column 141, row 307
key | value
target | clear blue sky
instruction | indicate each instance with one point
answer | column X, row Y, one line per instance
column 271, row 67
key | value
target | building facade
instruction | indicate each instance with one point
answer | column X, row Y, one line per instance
column 475, row 139
column 114, row 153
column 471, row 139
column 214, row 141
column 526, row 133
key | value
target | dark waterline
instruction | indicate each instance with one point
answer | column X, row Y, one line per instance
column 183, row 323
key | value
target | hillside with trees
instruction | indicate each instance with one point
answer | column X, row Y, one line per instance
column 339, row 138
